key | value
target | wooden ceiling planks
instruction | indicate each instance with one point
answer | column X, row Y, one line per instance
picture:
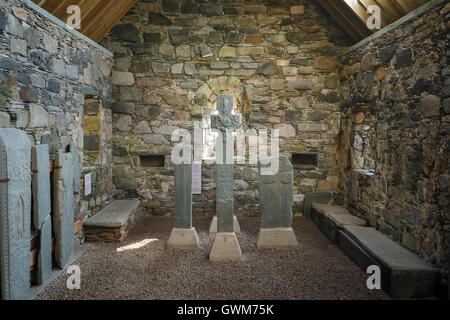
column 97, row 16
column 346, row 18
column 354, row 20
column 111, row 19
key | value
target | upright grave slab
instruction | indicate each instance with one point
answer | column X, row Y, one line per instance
column 276, row 197
column 15, row 214
column 63, row 208
column 40, row 164
column 183, row 236
column 226, row 245
column 76, row 167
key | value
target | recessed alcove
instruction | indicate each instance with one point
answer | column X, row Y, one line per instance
column 151, row 160
column 304, row 161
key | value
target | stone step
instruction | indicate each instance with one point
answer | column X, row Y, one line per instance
column 330, row 219
column 111, row 223
column 404, row 275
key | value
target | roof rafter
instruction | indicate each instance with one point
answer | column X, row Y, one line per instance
column 97, row 16
column 352, row 15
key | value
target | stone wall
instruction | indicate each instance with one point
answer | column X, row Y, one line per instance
column 395, row 133
column 279, row 60
column 46, row 71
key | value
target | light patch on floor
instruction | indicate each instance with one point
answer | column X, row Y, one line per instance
column 136, row 245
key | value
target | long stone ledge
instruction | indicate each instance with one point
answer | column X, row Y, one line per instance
column 114, row 215
column 404, row 274
column 331, row 218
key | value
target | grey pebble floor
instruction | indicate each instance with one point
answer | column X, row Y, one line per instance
column 142, row 268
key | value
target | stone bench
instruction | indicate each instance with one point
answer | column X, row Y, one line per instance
column 111, row 223
column 315, row 197
column 330, row 219
column 404, row 275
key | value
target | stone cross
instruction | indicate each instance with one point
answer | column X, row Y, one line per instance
column 225, row 122
column 183, row 236
column 63, row 208
column 226, row 246
column 40, row 165
column 276, row 197
column 15, row 214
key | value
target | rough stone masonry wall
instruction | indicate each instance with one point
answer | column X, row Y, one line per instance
column 45, row 74
column 397, row 123
column 279, row 60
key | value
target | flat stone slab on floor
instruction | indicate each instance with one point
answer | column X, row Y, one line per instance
column 331, row 218
column 114, row 215
column 112, row 223
column 386, row 250
column 327, row 209
column 409, row 275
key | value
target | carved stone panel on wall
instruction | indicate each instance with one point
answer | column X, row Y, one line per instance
column 63, row 208
column 15, row 213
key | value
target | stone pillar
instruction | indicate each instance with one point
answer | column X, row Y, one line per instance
column 63, row 208
column 15, row 214
column 226, row 245
column 183, row 236
column 276, row 197
column 41, row 209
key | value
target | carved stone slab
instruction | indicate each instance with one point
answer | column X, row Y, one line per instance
column 76, row 167
column 63, row 208
column 15, row 213
column 40, row 165
column 45, row 253
column 276, row 196
column 183, row 196
column 225, row 197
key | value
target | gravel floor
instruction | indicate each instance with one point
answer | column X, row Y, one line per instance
column 141, row 268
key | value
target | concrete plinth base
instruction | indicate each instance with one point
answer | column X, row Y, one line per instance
column 276, row 238
column 225, row 248
column 213, row 227
column 183, row 239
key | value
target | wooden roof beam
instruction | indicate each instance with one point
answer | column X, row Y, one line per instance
column 96, row 14
column 342, row 15
column 386, row 18
column 112, row 20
